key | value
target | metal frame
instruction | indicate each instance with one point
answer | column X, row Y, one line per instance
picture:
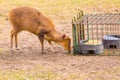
column 95, row 26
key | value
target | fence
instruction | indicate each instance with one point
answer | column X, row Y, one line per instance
column 96, row 33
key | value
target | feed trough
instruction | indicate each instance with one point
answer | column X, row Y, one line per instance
column 90, row 46
column 111, row 41
column 102, row 27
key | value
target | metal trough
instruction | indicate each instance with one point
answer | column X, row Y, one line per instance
column 90, row 48
column 111, row 41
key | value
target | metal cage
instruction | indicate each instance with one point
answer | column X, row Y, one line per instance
column 96, row 33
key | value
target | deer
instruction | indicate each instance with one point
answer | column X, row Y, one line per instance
column 30, row 19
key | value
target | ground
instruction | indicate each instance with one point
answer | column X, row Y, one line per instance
column 28, row 63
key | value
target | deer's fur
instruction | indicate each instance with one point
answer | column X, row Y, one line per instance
column 29, row 19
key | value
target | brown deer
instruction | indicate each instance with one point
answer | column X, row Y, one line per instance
column 29, row 19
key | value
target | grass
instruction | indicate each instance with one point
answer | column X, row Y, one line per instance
column 1, row 50
column 61, row 9
column 34, row 74
column 38, row 74
column 110, row 74
column 31, row 74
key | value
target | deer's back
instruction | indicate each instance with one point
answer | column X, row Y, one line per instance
column 26, row 18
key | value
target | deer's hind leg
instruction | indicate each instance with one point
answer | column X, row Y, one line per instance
column 14, row 35
column 16, row 41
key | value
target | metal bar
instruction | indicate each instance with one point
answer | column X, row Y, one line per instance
column 88, row 29
column 74, row 36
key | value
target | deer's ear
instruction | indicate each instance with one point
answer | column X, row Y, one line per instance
column 63, row 36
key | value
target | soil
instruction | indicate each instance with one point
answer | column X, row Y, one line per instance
column 56, row 59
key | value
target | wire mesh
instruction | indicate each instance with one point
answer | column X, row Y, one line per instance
column 97, row 29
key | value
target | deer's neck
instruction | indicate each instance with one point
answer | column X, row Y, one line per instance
column 54, row 36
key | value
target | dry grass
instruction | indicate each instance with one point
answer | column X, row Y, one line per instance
column 62, row 9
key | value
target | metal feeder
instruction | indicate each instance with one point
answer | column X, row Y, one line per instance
column 90, row 48
column 111, row 41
